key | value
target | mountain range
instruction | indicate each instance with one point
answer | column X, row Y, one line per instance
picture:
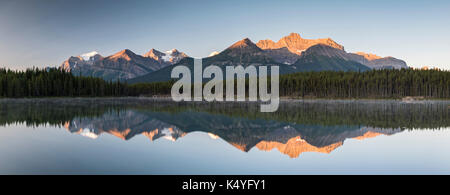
column 122, row 65
column 292, row 53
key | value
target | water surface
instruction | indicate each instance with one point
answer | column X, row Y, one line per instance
column 156, row 136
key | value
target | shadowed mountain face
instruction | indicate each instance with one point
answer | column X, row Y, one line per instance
column 241, row 52
column 297, row 127
column 323, row 58
column 377, row 62
column 282, row 55
column 370, row 60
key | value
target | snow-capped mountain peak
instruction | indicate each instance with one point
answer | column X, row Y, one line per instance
column 169, row 57
column 87, row 56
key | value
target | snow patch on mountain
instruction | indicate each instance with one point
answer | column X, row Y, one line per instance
column 167, row 56
column 87, row 56
column 213, row 53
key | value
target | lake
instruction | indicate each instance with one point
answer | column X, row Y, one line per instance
column 157, row 136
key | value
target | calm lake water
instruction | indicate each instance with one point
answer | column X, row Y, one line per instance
column 149, row 136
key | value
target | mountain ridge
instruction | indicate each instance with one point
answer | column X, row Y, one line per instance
column 293, row 53
column 121, row 65
column 296, row 44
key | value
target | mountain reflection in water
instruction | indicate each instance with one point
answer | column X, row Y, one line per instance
column 297, row 127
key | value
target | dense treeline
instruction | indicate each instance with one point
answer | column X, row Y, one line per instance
column 327, row 84
column 149, row 89
column 368, row 84
column 55, row 82
column 332, row 84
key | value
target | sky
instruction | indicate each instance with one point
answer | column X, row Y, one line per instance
column 47, row 32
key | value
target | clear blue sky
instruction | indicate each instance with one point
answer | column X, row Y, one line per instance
column 45, row 33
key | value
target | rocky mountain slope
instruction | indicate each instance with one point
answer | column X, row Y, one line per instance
column 290, row 48
column 122, row 65
column 377, row 62
column 241, row 52
column 169, row 57
column 323, row 58
column 296, row 44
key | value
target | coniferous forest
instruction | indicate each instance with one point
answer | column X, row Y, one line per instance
column 367, row 84
column 55, row 83
column 328, row 84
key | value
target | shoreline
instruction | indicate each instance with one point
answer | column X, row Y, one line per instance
column 282, row 99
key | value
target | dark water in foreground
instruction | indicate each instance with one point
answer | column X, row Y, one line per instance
column 147, row 136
